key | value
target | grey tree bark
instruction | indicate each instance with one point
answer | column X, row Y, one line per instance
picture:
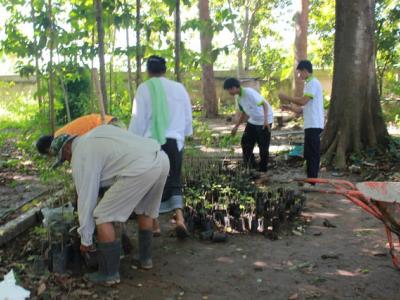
column 138, row 45
column 37, row 55
column 178, row 40
column 355, row 121
column 208, row 80
column 50, row 66
column 100, row 38
column 300, row 48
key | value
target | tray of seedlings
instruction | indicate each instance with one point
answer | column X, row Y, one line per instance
column 222, row 198
column 60, row 243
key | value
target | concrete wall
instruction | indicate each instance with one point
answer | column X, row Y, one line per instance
column 192, row 83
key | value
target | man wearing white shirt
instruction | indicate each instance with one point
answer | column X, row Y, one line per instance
column 312, row 106
column 162, row 111
column 258, row 128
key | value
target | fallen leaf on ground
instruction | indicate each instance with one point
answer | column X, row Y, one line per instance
column 380, row 254
column 294, row 297
column 41, row 288
column 328, row 224
column 80, row 293
column 330, row 256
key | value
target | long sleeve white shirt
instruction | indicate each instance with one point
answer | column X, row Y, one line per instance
column 180, row 111
column 100, row 157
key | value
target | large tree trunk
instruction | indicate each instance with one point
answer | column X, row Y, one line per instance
column 100, row 33
column 178, row 40
column 51, row 73
column 208, row 80
column 355, row 118
column 138, row 46
column 300, row 48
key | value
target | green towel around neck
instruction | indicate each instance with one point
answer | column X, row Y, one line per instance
column 160, row 112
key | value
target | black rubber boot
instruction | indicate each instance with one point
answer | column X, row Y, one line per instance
column 108, row 255
column 145, row 249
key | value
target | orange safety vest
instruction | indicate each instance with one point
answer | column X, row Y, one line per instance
column 82, row 125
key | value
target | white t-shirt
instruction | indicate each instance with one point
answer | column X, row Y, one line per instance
column 251, row 103
column 180, row 112
column 313, row 111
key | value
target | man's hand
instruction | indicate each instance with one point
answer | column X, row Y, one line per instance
column 84, row 249
column 284, row 97
column 234, row 130
column 266, row 126
column 286, row 107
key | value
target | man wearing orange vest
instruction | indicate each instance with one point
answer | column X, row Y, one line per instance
column 77, row 127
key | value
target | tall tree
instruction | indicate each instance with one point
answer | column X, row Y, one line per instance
column 37, row 57
column 112, row 37
column 100, row 38
column 243, row 32
column 50, row 68
column 355, row 119
column 139, row 53
column 128, row 58
column 300, row 44
column 208, row 80
column 178, row 40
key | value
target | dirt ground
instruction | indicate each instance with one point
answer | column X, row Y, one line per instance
column 18, row 182
column 348, row 261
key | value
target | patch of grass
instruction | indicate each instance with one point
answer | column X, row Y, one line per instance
column 21, row 124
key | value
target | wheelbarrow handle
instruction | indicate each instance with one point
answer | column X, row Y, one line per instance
column 337, row 183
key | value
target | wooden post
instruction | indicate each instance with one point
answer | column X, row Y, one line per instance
column 99, row 95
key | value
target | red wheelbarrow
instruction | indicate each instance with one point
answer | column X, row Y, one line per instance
column 380, row 199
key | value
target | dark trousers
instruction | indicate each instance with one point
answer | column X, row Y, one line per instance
column 312, row 151
column 256, row 134
column 173, row 185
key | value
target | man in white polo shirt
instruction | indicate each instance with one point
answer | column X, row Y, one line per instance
column 312, row 105
column 259, row 123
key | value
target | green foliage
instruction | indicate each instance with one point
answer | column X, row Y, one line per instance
column 322, row 30
column 388, row 39
column 77, row 81
column 391, row 112
column 20, row 127
column 274, row 67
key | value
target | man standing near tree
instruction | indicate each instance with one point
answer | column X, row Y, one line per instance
column 312, row 106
